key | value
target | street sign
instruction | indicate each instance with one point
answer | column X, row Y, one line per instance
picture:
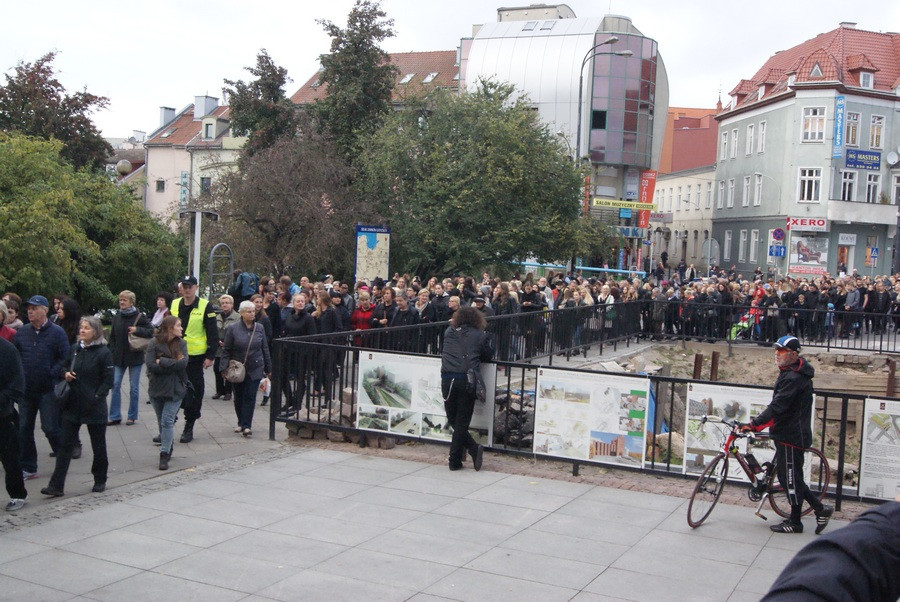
column 874, row 253
column 777, row 251
column 778, row 234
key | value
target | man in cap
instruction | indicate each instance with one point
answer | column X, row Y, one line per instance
column 43, row 347
column 789, row 418
column 198, row 320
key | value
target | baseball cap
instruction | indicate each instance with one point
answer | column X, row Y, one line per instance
column 479, row 298
column 788, row 342
column 37, row 300
column 189, row 281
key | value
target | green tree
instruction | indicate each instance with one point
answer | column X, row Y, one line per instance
column 261, row 107
column 290, row 207
column 35, row 103
column 359, row 77
column 75, row 232
column 470, row 181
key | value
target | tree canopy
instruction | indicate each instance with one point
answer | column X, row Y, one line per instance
column 35, row 103
column 260, row 107
column 473, row 180
column 359, row 77
column 290, row 207
column 75, row 232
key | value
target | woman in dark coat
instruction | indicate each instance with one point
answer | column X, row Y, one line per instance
column 89, row 372
column 327, row 321
column 297, row 323
column 166, row 360
column 246, row 342
column 128, row 320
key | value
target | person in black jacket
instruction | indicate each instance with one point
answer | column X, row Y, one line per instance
column 789, row 416
column 859, row 562
column 89, row 372
column 466, row 345
column 327, row 321
column 128, row 320
column 12, row 389
column 296, row 323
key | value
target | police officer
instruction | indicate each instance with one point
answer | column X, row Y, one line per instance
column 198, row 320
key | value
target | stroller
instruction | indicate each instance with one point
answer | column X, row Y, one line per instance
column 743, row 329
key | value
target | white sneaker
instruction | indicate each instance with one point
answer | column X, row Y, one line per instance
column 27, row 476
column 15, row 504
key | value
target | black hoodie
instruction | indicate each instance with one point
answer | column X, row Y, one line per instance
column 790, row 412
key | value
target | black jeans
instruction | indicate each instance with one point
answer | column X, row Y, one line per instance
column 193, row 403
column 9, row 455
column 69, row 435
column 789, row 469
column 459, row 406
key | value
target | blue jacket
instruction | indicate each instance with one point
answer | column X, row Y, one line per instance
column 43, row 354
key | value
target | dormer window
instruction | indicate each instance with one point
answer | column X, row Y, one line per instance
column 430, row 77
column 791, row 79
column 866, row 80
column 208, row 130
column 816, row 71
column 407, row 78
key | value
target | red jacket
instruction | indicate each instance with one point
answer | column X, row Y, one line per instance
column 7, row 333
column 361, row 319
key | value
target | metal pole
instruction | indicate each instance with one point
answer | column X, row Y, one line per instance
column 196, row 268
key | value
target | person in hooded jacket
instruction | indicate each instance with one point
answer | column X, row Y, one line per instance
column 89, row 372
column 466, row 345
column 788, row 417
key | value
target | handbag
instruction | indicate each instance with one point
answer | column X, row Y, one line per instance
column 63, row 389
column 136, row 343
column 236, row 371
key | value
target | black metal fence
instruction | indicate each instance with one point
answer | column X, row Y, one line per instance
column 315, row 380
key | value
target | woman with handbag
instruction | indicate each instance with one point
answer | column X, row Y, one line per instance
column 89, row 372
column 245, row 360
column 166, row 360
column 129, row 338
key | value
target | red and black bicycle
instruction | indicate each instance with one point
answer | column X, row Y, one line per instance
column 763, row 482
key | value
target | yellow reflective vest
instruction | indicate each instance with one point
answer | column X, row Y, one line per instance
column 195, row 333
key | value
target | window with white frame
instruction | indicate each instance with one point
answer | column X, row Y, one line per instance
column 687, row 197
column 723, row 154
column 761, row 138
column 757, row 190
column 745, row 198
column 734, row 143
column 720, row 199
column 669, row 201
column 897, row 190
column 876, row 131
column 848, row 185
column 696, row 243
column 754, row 245
column 748, row 143
column 813, row 126
column 810, row 184
column 708, row 195
column 678, row 200
column 742, row 247
column 697, row 201
column 866, row 80
column 730, row 202
column 726, row 247
column 851, row 131
column 873, row 187
column 770, row 259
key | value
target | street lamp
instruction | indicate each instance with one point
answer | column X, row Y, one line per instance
column 197, row 215
column 591, row 53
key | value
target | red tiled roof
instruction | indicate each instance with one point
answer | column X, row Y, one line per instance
column 183, row 129
column 442, row 62
column 745, row 86
column 838, row 53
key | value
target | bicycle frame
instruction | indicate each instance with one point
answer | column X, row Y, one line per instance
column 756, row 479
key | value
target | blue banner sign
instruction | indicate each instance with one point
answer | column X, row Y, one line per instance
column 837, row 149
column 860, row 159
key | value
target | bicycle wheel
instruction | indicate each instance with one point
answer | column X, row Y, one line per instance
column 707, row 490
column 819, row 478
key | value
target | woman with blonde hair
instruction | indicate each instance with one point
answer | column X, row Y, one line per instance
column 88, row 369
column 246, row 342
column 166, row 359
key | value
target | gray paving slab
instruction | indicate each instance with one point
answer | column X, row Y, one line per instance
column 282, row 523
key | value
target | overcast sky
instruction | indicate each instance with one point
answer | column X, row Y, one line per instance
column 164, row 52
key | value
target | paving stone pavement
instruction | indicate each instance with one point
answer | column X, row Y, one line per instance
column 293, row 523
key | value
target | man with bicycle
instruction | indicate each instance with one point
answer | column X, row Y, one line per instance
column 788, row 417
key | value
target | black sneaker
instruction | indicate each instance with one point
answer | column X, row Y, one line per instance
column 822, row 517
column 787, row 527
column 478, row 457
column 76, row 452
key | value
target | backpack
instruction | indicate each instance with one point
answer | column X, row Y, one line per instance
column 249, row 284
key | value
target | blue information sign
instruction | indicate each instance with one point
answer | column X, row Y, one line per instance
column 860, row 159
column 837, row 148
column 777, row 251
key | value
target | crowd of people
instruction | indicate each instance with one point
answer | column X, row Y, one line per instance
column 47, row 343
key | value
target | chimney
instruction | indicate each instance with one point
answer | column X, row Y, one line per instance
column 166, row 115
column 203, row 106
column 848, row 24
